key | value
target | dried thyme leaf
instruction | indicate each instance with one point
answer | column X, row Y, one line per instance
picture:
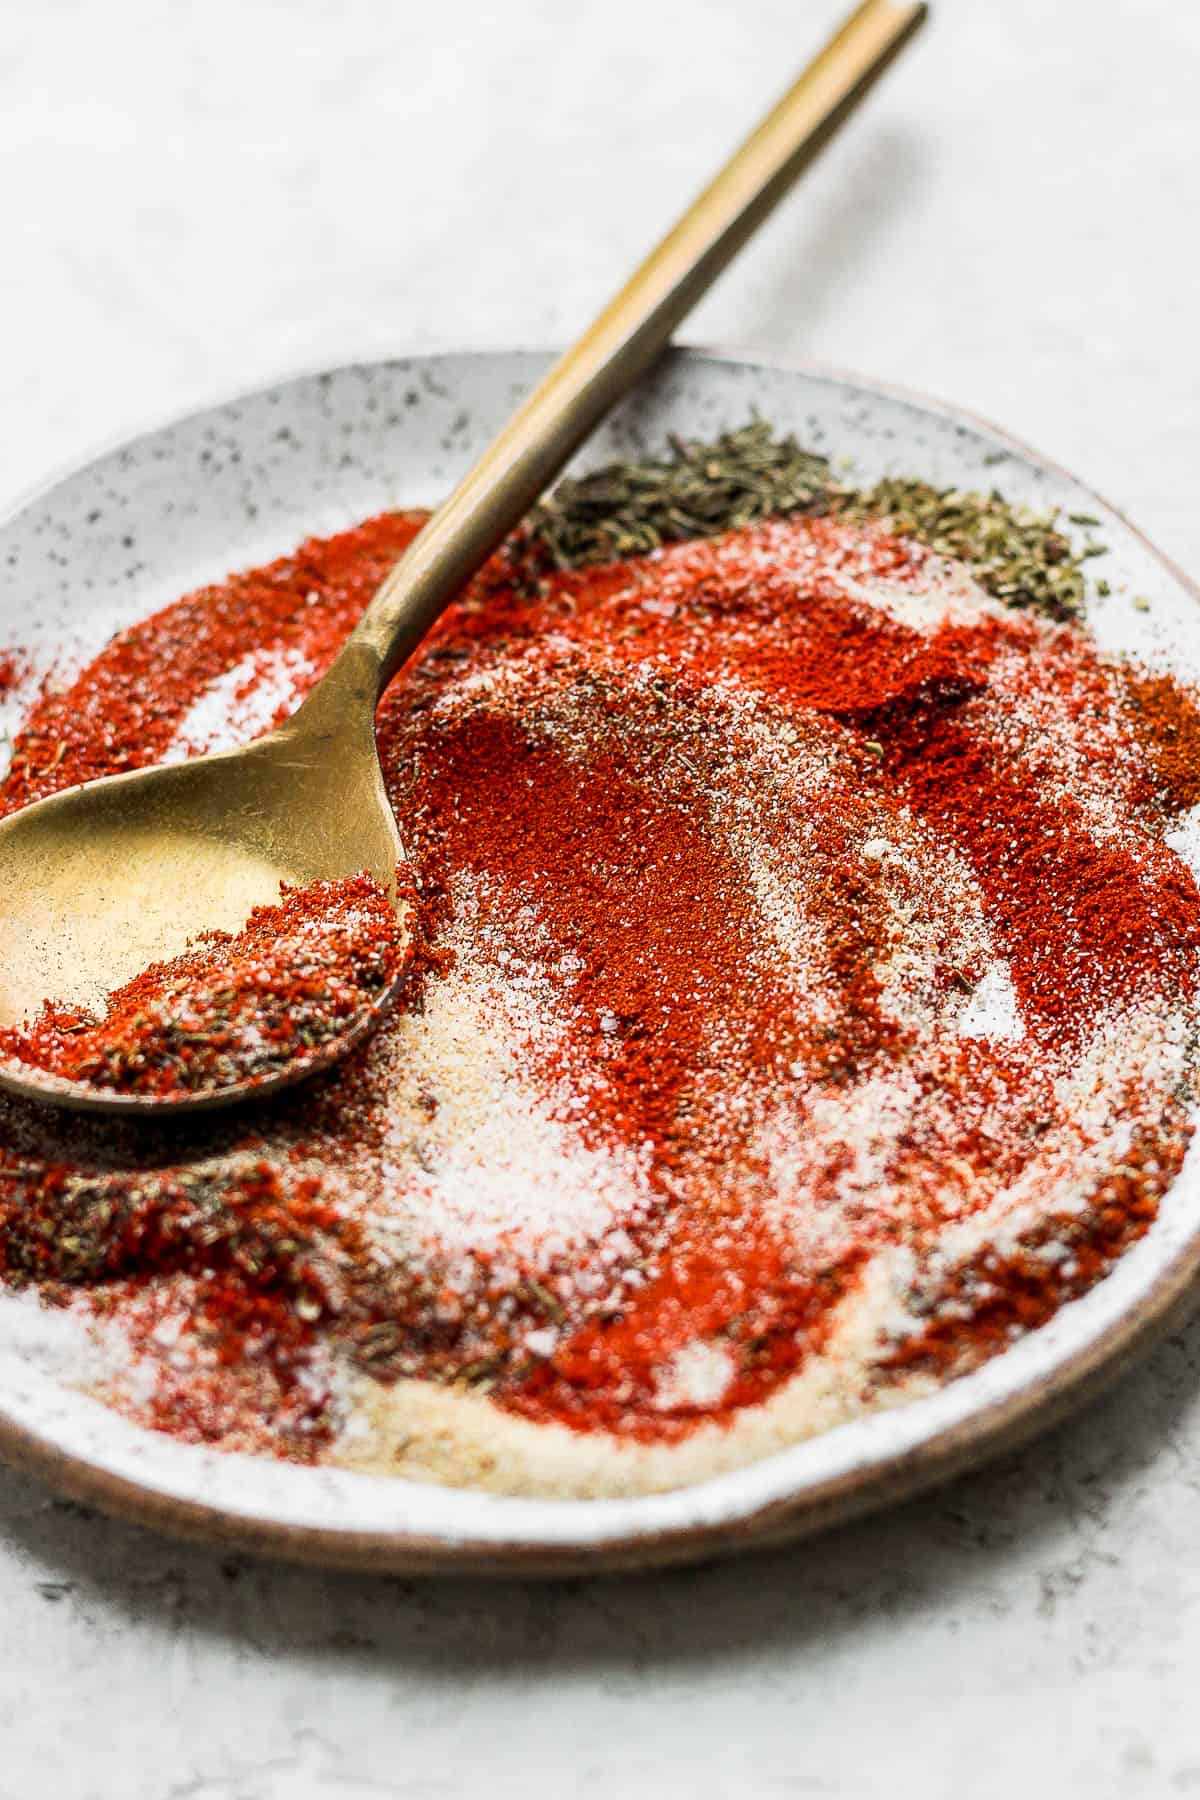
column 628, row 508
column 744, row 476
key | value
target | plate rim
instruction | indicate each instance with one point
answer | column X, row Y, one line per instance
column 879, row 1479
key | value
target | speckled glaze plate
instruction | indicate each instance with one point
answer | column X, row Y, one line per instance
column 239, row 483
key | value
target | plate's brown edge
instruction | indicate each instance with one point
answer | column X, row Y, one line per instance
column 988, row 1433
column 968, row 1444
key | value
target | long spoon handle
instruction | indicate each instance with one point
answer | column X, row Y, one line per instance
column 624, row 340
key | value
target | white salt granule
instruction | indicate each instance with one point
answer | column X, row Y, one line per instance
column 1185, row 839
column 697, row 1374
column 993, row 1011
column 241, row 704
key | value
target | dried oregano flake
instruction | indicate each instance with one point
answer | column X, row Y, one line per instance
column 702, row 489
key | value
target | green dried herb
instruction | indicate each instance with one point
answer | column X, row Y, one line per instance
column 628, row 508
column 1016, row 554
column 703, row 489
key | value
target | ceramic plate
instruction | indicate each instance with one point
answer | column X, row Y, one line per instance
column 243, row 482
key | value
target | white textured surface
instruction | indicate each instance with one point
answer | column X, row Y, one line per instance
column 199, row 198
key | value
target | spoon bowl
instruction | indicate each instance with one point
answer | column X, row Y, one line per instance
column 102, row 879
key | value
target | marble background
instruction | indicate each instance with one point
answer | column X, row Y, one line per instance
column 198, row 198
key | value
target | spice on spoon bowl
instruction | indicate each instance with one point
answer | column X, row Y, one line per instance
column 283, row 997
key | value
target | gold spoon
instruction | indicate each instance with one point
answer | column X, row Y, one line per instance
column 102, row 879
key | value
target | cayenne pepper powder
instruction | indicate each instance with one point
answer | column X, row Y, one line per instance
column 1166, row 722
column 804, row 983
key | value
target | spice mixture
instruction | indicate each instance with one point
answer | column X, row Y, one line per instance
column 804, row 1006
column 233, row 1009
